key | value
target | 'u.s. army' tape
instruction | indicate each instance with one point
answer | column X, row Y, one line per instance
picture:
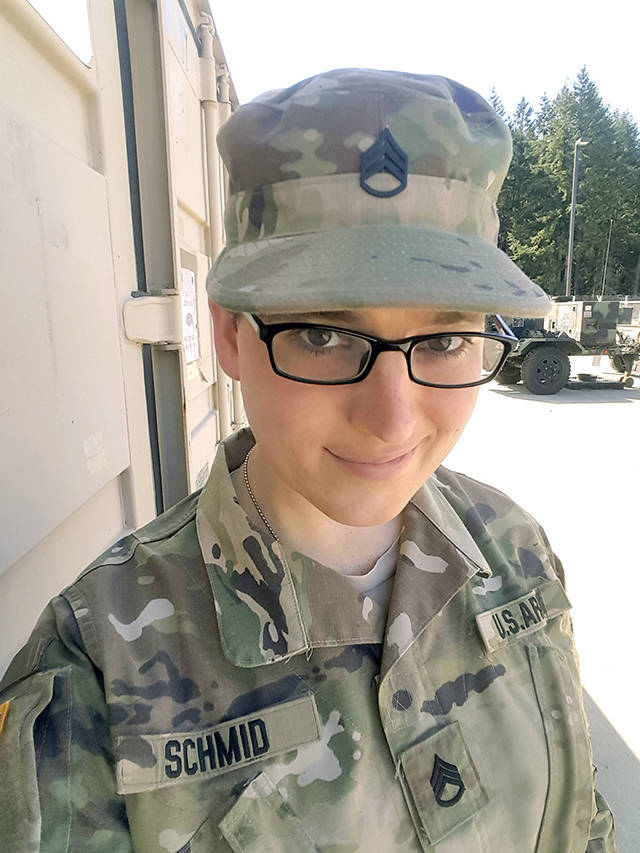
column 517, row 619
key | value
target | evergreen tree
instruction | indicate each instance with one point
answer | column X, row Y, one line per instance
column 597, row 199
column 623, row 268
column 543, row 116
column 496, row 103
column 535, row 201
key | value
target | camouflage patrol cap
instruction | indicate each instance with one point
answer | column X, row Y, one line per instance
column 367, row 188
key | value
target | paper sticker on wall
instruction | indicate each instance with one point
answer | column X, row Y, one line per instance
column 189, row 315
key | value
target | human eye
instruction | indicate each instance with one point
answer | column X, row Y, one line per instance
column 446, row 346
column 318, row 340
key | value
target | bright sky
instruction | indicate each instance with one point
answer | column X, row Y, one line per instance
column 520, row 48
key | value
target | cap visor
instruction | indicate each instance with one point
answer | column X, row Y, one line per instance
column 370, row 266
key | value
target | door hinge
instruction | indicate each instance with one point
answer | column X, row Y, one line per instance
column 154, row 318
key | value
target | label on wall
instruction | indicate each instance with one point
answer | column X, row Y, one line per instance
column 189, row 315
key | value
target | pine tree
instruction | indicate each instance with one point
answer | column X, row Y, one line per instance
column 535, row 201
column 496, row 103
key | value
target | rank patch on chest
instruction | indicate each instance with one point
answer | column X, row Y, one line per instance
column 446, row 776
column 154, row 761
column 516, row 619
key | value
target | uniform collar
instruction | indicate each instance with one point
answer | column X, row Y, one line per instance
column 438, row 556
column 272, row 603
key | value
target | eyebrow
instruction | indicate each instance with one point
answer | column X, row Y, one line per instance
column 455, row 317
column 441, row 318
column 309, row 316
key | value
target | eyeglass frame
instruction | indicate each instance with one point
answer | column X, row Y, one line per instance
column 267, row 331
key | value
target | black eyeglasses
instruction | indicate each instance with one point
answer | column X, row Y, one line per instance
column 330, row 355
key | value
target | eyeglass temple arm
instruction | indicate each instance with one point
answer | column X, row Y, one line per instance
column 505, row 328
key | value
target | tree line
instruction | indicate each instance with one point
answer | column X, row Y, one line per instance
column 535, row 201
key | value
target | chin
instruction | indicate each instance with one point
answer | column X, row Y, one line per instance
column 361, row 514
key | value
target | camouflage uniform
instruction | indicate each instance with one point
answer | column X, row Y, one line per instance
column 201, row 688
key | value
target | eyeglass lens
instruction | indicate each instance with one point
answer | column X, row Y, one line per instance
column 323, row 355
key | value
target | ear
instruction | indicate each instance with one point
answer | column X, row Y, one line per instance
column 225, row 332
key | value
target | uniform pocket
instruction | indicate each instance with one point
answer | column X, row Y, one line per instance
column 441, row 783
column 261, row 821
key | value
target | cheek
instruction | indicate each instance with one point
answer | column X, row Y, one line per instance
column 453, row 410
column 279, row 410
column 464, row 408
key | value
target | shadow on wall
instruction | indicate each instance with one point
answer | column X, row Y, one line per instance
column 618, row 777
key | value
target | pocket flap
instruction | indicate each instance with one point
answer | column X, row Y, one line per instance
column 442, row 783
column 260, row 816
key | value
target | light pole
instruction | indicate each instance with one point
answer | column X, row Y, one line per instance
column 572, row 222
column 606, row 257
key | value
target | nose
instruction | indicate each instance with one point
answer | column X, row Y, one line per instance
column 385, row 403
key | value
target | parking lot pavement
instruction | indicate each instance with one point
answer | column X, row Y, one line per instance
column 573, row 461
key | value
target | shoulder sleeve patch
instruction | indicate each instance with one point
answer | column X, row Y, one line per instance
column 4, row 711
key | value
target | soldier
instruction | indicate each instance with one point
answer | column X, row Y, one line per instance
column 338, row 645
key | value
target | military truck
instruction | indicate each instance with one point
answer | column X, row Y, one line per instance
column 574, row 327
column 625, row 356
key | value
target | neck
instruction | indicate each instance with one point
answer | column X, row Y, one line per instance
column 302, row 527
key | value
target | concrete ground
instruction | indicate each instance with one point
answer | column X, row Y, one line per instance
column 573, row 461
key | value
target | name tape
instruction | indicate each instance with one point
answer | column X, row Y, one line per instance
column 175, row 757
column 522, row 616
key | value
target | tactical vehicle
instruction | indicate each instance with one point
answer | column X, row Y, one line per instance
column 625, row 356
column 574, row 327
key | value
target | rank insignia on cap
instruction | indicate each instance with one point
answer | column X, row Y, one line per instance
column 4, row 710
column 385, row 155
column 446, row 774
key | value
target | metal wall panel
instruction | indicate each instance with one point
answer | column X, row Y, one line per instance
column 82, row 148
column 74, row 444
column 64, row 429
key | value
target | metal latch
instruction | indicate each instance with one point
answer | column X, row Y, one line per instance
column 153, row 318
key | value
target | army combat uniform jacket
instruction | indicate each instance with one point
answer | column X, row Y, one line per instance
column 200, row 688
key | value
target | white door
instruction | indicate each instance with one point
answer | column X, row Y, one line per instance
column 104, row 192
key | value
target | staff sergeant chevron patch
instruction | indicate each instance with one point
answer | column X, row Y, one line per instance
column 385, row 155
column 446, row 774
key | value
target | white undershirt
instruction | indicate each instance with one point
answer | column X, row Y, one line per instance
column 378, row 581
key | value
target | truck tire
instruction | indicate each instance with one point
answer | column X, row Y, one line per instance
column 545, row 370
column 617, row 362
column 509, row 374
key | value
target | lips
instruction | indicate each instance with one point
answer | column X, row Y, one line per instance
column 376, row 468
column 374, row 461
